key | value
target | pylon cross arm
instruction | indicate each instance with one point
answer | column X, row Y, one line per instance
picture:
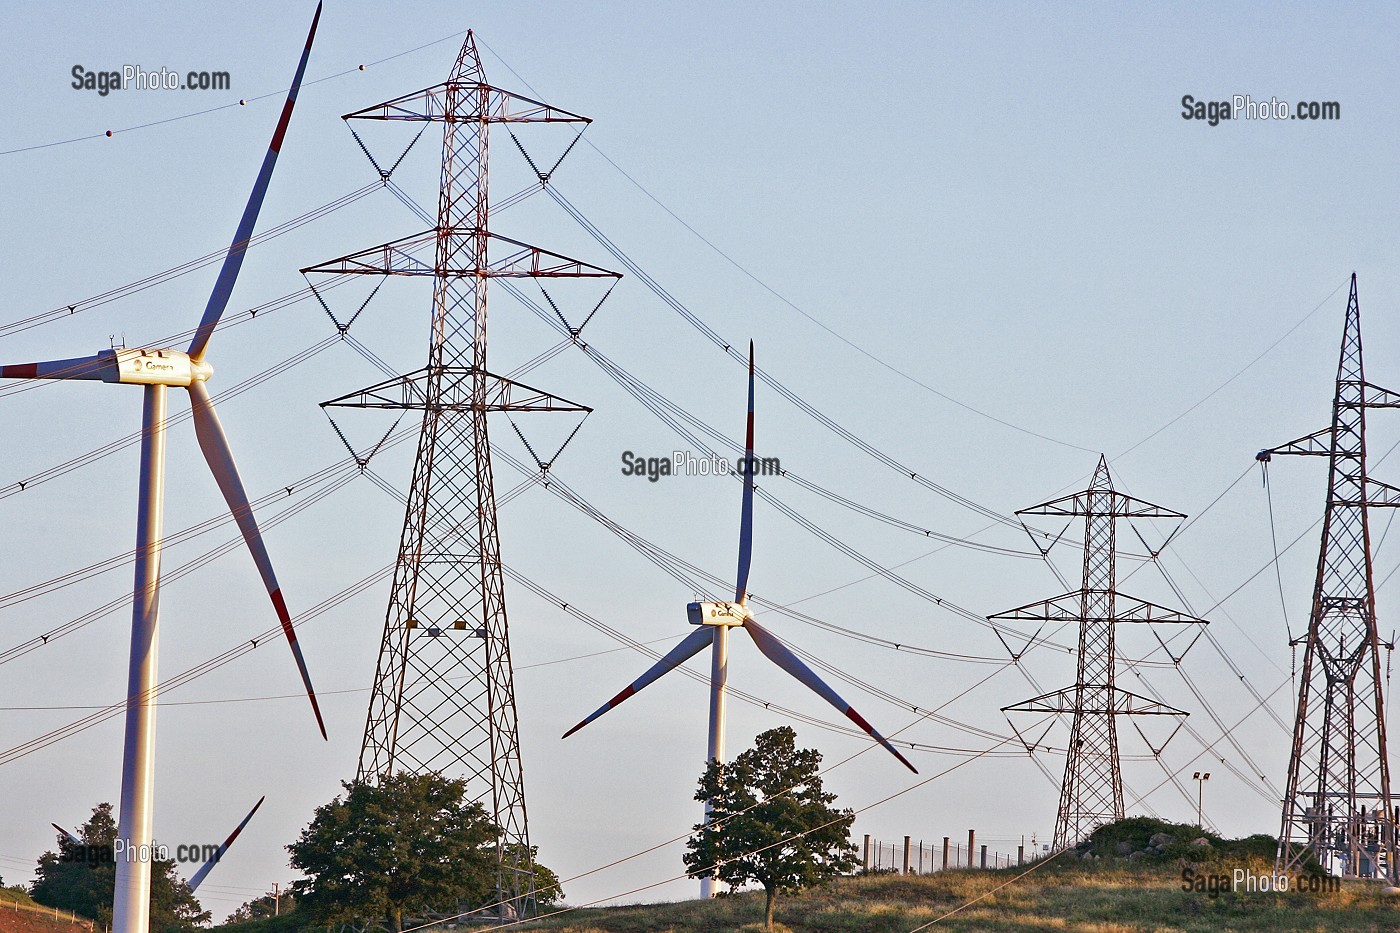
column 1068, row 607
column 1378, row 397
column 393, row 258
column 455, row 389
column 1316, row 444
column 436, row 104
column 1123, row 703
column 1378, row 495
column 521, row 260
column 1101, row 503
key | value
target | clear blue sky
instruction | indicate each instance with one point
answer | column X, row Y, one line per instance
column 1003, row 202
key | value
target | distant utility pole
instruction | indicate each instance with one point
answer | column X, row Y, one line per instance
column 1337, row 804
column 1092, row 791
column 1200, row 777
column 444, row 694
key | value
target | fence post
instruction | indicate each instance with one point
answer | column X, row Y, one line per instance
column 1020, row 855
column 867, row 851
column 906, row 855
column 944, row 865
column 971, row 843
column 984, row 855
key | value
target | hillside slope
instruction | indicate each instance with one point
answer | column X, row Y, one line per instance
column 19, row 914
column 1070, row 897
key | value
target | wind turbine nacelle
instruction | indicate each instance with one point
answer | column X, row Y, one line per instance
column 153, row 367
column 716, row 613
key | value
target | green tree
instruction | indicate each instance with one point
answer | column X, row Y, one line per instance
column 81, row 877
column 770, row 821
column 409, row 842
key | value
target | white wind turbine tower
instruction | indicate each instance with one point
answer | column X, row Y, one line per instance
column 715, row 619
column 155, row 371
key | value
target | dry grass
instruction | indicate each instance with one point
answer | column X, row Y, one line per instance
column 1070, row 897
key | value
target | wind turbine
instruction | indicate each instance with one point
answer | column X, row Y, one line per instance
column 155, row 371
column 715, row 619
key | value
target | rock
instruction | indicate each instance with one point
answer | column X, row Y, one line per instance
column 1122, row 848
column 1137, row 855
column 1161, row 840
column 1200, row 842
column 1390, row 891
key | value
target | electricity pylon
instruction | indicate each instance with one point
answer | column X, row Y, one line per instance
column 444, row 695
column 1092, row 791
column 1337, row 803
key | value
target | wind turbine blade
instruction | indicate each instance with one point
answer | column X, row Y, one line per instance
column 220, row 459
column 71, row 838
column 741, row 588
column 781, row 655
column 82, row 367
column 219, row 853
column 688, row 648
column 233, row 260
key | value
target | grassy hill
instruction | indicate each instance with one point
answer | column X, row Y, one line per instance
column 1068, row 896
column 1128, row 877
column 19, row 914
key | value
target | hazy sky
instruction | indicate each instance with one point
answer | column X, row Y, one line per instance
column 1002, row 203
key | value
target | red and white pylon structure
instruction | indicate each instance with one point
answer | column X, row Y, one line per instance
column 713, row 620
column 155, row 371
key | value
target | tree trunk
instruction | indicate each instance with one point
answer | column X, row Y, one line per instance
column 395, row 918
column 768, row 908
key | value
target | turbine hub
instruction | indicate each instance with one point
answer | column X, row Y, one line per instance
column 725, row 613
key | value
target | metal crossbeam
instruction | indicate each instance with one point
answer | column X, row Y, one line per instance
column 456, row 390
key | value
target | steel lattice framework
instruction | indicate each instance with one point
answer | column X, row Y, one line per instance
column 444, row 696
column 1337, row 804
column 1092, row 790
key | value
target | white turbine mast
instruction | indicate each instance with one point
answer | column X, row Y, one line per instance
column 155, row 371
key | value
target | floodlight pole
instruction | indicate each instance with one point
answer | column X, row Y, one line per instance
column 131, row 909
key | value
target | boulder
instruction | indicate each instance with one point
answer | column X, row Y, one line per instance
column 1161, row 840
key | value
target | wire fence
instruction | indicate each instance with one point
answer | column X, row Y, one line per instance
column 919, row 857
column 53, row 912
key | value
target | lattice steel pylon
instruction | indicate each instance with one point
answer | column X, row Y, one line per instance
column 1091, row 793
column 1337, row 803
column 444, row 696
